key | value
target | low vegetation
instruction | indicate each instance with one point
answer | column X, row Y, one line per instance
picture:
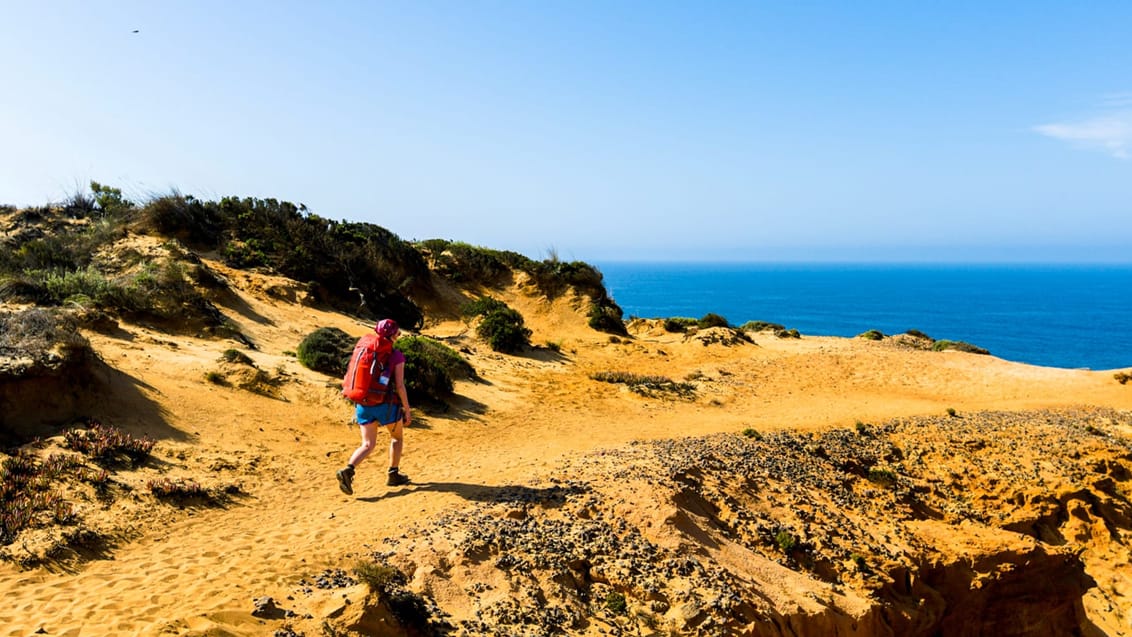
column 108, row 445
column 237, row 357
column 64, row 253
column 466, row 264
column 501, row 326
column 786, row 542
column 916, row 339
column 179, row 489
column 761, row 326
column 645, row 385
column 678, row 324
column 27, row 497
column 29, row 493
column 431, row 367
column 326, row 350
column 961, row 346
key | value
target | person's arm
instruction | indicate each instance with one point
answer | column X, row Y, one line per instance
column 399, row 378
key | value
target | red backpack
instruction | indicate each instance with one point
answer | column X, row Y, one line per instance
column 367, row 380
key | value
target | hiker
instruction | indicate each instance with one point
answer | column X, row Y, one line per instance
column 390, row 408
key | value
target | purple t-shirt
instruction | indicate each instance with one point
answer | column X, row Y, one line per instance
column 396, row 358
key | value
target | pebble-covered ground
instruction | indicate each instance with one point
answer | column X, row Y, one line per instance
column 636, row 540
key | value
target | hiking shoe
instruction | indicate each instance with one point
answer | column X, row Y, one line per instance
column 346, row 481
column 396, row 479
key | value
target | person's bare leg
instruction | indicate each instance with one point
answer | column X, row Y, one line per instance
column 397, row 435
column 369, row 441
column 396, row 432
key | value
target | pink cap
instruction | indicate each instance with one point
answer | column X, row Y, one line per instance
column 387, row 328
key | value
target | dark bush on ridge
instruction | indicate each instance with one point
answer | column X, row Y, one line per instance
column 758, row 326
column 464, row 263
column 961, row 346
column 327, row 350
column 184, row 218
column 712, row 320
column 918, row 334
column 678, row 324
column 607, row 318
column 872, row 335
column 358, row 267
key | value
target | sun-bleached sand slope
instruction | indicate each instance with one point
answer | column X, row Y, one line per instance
column 198, row 570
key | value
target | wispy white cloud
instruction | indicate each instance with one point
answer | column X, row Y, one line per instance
column 1110, row 132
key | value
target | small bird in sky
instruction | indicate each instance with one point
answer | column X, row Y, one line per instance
column 135, row 30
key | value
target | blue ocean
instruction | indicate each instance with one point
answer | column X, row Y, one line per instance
column 1069, row 316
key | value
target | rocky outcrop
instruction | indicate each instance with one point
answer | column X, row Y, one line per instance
column 988, row 524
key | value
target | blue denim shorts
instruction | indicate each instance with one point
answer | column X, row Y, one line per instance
column 382, row 414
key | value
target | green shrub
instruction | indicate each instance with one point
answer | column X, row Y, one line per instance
column 464, row 263
column 380, row 577
column 759, row 326
column 752, row 433
column 918, row 334
column 607, row 318
column 882, row 476
column 792, row 333
column 482, row 306
column 64, row 287
column 786, row 541
column 616, row 603
column 712, row 320
column 872, row 335
column 504, row 331
column 961, row 346
column 431, row 367
column 678, row 324
column 182, row 217
column 109, row 199
column 327, row 350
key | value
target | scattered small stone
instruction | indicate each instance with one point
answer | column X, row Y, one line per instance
column 265, row 608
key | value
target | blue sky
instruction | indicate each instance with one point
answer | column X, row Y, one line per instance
column 815, row 131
